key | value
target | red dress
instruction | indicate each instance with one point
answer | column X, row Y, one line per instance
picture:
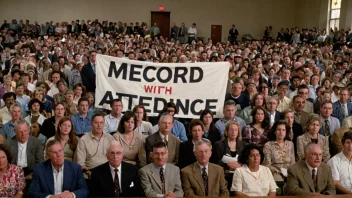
column 12, row 181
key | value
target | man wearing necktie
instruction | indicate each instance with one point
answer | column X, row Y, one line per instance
column 343, row 107
column 330, row 123
column 203, row 178
column 115, row 178
column 310, row 177
column 159, row 178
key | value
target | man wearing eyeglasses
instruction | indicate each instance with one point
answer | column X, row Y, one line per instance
column 310, row 177
column 203, row 178
column 115, row 178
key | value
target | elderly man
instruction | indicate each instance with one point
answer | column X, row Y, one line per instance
column 166, row 123
column 27, row 150
column 113, row 119
column 271, row 107
column 115, row 177
column 161, row 179
column 310, row 176
column 57, row 177
column 7, row 129
column 229, row 114
column 92, row 147
column 203, row 178
column 341, row 164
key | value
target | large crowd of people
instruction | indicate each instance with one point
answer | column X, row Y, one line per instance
column 287, row 114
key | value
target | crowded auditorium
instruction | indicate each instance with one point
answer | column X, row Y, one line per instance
column 176, row 98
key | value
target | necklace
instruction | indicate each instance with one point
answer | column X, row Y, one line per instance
column 129, row 141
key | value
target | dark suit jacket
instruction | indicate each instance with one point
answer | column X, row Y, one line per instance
column 34, row 151
column 42, row 183
column 337, row 110
column 214, row 135
column 192, row 181
column 88, row 77
column 173, row 147
column 297, row 131
column 300, row 183
column 48, row 128
column 233, row 34
column 102, row 185
column 221, row 148
column 187, row 157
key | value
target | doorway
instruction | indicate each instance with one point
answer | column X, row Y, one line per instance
column 216, row 32
column 162, row 20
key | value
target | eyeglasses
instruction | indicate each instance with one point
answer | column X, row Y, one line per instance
column 115, row 153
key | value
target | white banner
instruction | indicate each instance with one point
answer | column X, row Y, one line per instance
column 191, row 86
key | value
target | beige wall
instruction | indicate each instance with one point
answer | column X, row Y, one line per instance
column 250, row 16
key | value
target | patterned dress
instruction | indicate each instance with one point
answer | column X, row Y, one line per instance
column 12, row 181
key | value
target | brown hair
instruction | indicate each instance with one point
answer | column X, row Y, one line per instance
column 72, row 141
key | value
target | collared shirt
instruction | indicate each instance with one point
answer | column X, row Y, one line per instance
column 112, row 170
column 93, row 66
column 344, row 107
column 111, row 123
column 58, row 179
column 283, row 104
column 192, row 31
column 158, row 171
column 163, row 137
column 91, row 151
column 201, row 168
column 80, row 124
column 311, row 168
column 177, row 130
column 22, row 154
column 23, row 101
column 341, row 169
column 331, row 126
column 220, row 124
column 272, row 118
column 145, row 129
column 5, row 114
column 7, row 130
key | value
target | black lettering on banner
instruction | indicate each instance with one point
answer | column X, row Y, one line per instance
column 133, row 72
column 145, row 76
column 130, row 98
column 210, row 106
column 183, row 107
column 146, row 105
column 113, row 69
column 180, row 72
column 193, row 107
column 156, row 104
column 192, row 75
column 107, row 98
column 169, row 74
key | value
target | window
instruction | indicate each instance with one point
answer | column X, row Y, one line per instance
column 335, row 14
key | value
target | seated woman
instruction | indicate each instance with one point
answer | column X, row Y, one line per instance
column 295, row 129
column 312, row 135
column 230, row 146
column 71, row 106
column 279, row 151
column 66, row 135
column 131, row 141
column 79, row 91
column 210, row 131
column 196, row 127
column 12, row 181
column 257, row 131
column 257, row 100
column 49, row 125
column 39, row 94
column 253, row 179
column 143, row 127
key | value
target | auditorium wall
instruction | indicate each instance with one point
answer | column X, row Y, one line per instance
column 250, row 16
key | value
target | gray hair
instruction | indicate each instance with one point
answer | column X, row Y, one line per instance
column 201, row 142
column 114, row 143
column 272, row 97
column 19, row 123
column 229, row 102
column 165, row 114
column 15, row 105
column 310, row 146
column 50, row 143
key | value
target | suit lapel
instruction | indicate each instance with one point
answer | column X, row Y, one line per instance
column 320, row 176
column 167, row 177
column 307, row 176
column 198, row 177
column 155, row 175
column 67, row 175
column 49, row 176
column 107, row 177
column 124, row 177
column 15, row 150
column 28, row 151
column 211, row 177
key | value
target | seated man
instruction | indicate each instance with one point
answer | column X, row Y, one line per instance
column 81, row 121
column 310, row 177
column 7, row 129
column 57, row 176
column 92, row 146
column 203, row 178
column 9, row 99
column 35, row 116
column 341, row 164
column 106, row 182
column 21, row 98
column 161, row 179
column 229, row 114
column 113, row 119
column 27, row 150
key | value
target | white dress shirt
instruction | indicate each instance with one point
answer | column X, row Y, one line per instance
column 311, row 168
column 58, row 179
column 112, row 170
column 22, row 155
column 341, row 169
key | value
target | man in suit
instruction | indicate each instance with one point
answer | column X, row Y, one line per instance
column 342, row 108
column 166, row 123
column 105, row 183
column 27, row 150
column 88, row 73
column 330, row 124
column 300, row 115
column 182, row 32
column 271, row 106
column 161, row 179
column 203, row 178
column 174, row 30
column 57, row 177
column 310, row 177
column 233, row 33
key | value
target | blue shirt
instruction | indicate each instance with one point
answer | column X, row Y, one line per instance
column 7, row 130
column 220, row 124
column 80, row 124
column 23, row 101
column 179, row 131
